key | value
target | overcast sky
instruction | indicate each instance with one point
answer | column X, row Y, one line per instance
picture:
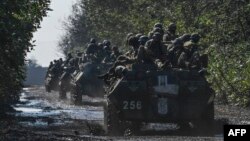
column 49, row 34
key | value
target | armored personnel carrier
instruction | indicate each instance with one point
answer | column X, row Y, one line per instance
column 170, row 96
column 85, row 81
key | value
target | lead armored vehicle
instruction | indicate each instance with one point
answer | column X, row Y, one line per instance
column 170, row 96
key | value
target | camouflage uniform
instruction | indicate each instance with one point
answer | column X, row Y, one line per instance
column 190, row 58
column 158, row 27
column 92, row 48
column 170, row 34
column 184, row 38
column 123, row 60
column 116, row 53
column 175, row 51
column 154, row 49
column 69, row 57
column 141, row 52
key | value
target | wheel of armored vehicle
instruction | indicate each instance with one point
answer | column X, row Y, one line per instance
column 47, row 88
column 47, row 85
column 206, row 124
column 111, row 120
column 116, row 127
column 62, row 93
column 76, row 97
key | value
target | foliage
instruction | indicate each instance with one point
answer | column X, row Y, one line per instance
column 18, row 20
column 223, row 24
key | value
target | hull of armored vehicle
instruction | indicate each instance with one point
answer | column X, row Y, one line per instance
column 51, row 83
column 85, row 82
column 173, row 96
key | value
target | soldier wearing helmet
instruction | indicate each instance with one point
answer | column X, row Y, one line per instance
column 192, row 45
column 175, row 51
column 133, row 43
column 114, row 55
column 154, row 48
column 107, row 43
column 158, row 27
column 141, row 52
column 190, row 58
column 142, row 40
column 92, row 47
column 69, row 57
column 170, row 34
column 184, row 38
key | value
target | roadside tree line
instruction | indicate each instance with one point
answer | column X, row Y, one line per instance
column 19, row 19
column 223, row 24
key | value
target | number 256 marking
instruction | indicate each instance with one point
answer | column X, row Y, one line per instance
column 132, row 105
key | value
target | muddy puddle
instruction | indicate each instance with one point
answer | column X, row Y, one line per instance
column 45, row 113
column 33, row 110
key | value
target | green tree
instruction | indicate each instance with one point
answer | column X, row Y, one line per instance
column 223, row 24
column 18, row 20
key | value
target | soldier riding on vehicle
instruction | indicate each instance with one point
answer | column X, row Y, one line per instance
column 170, row 34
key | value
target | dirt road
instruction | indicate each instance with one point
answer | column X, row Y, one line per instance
column 42, row 116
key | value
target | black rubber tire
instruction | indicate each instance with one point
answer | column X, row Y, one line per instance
column 205, row 126
column 134, row 128
column 62, row 90
column 76, row 96
column 208, row 114
column 112, row 122
column 47, row 88
column 62, row 93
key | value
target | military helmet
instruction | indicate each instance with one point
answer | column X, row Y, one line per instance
column 158, row 25
column 128, row 36
column 172, row 27
column 100, row 44
column 143, row 39
column 92, row 40
column 185, row 37
column 157, row 36
column 69, row 55
column 138, row 35
column 178, row 42
column 157, row 29
column 133, row 41
column 106, row 43
column 106, row 48
column 195, row 37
